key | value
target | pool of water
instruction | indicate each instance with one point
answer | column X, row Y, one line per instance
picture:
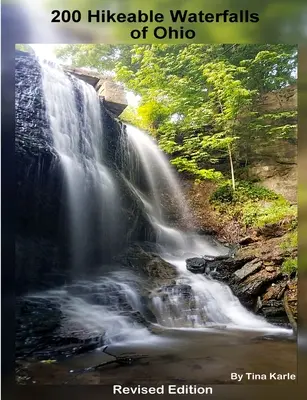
column 178, row 356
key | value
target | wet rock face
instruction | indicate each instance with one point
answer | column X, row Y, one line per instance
column 196, row 265
column 32, row 126
column 40, row 224
column 35, row 319
column 147, row 264
column 38, row 262
column 38, row 332
column 176, row 290
column 43, row 251
column 45, row 327
column 37, row 165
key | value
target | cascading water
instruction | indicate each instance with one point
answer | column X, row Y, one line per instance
column 108, row 308
column 211, row 302
column 74, row 112
column 110, row 305
column 164, row 196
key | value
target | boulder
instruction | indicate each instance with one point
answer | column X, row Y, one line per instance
column 246, row 241
column 248, row 289
column 222, row 268
column 205, row 264
column 248, row 269
column 270, row 304
column 273, row 309
column 196, row 265
column 112, row 93
column 148, row 265
column 275, row 291
column 272, row 230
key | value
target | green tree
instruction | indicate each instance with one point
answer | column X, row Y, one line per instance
column 24, row 47
column 232, row 101
column 199, row 100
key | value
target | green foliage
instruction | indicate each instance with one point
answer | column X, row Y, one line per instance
column 152, row 114
column 24, row 47
column 223, row 194
column 245, row 191
column 130, row 116
column 259, row 215
column 289, row 244
column 290, row 241
column 101, row 57
column 273, row 67
column 289, row 265
column 252, row 204
column 191, row 167
column 198, row 100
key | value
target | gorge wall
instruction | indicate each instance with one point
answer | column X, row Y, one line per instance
column 274, row 162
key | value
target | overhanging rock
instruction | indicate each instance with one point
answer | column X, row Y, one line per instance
column 112, row 93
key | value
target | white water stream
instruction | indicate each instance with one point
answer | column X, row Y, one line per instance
column 74, row 113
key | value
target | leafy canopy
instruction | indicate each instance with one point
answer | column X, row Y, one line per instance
column 199, row 101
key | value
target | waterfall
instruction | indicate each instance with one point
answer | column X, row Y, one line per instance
column 212, row 302
column 163, row 195
column 110, row 304
column 74, row 112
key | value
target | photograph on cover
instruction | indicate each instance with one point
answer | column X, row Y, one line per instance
column 156, row 230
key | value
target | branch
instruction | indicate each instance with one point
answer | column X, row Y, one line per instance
column 122, row 359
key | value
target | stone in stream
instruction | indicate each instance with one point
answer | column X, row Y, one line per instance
column 196, row 265
column 148, row 265
column 208, row 258
column 205, row 265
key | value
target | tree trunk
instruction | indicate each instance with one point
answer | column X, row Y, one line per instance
column 230, row 155
column 231, row 168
